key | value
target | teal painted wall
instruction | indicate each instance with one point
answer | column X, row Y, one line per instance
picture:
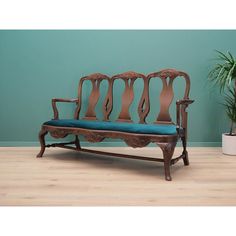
column 36, row 66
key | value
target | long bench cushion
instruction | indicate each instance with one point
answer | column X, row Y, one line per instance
column 115, row 126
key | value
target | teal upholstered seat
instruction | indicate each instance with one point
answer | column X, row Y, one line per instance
column 115, row 126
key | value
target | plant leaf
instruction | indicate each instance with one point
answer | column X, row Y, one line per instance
column 223, row 56
column 232, row 58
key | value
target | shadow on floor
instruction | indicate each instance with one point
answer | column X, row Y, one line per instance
column 148, row 168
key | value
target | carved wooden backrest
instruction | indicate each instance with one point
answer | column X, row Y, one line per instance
column 128, row 94
column 96, row 80
column 166, row 96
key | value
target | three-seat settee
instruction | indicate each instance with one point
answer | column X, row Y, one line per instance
column 164, row 132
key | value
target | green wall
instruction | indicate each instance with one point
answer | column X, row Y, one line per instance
column 36, row 66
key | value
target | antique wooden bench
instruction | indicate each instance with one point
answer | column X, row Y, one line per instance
column 163, row 131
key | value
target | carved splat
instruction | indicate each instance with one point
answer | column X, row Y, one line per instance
column 166, row 98
column 96, row 80
column 93, row 99
column 167, row 93
column 128, row 94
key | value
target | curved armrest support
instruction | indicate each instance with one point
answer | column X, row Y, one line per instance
column 54, row 106
column 181, row 114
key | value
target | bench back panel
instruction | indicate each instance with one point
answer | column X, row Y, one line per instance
column 166, row 96
column 167, row 93
column 129, row 79
column 96, row 80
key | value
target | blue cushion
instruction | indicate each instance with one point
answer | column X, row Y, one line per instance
column 115, row 126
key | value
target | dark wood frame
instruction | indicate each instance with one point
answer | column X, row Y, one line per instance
column 167, row 143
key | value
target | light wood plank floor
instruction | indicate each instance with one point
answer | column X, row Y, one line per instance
column 64, row 177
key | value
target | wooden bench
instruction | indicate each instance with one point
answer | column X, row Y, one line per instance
column 164, row 132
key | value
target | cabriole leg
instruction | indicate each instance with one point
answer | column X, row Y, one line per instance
column 185, row 153
column 42, row 134
column 168, row 151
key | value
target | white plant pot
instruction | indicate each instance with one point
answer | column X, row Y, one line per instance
column 228, row 144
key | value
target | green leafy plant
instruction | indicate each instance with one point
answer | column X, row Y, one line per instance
column 223, row 75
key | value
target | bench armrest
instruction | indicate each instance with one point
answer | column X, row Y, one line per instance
column 184, row 101
column 181, row 113
column 54, row 106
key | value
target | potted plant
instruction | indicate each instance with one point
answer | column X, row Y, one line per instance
column 224, row 75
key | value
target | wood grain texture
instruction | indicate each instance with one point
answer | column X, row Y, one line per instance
column 68, row 178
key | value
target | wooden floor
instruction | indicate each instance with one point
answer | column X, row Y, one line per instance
column 64, row 177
